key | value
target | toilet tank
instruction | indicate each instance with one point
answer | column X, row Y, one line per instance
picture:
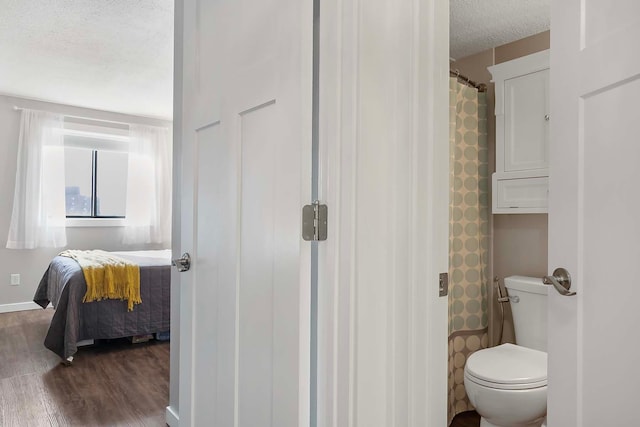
column 528, row 300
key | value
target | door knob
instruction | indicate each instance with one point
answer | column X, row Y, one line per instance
column 183, row 263
column 561, row 280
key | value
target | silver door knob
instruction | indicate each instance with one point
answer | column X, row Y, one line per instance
column 561, row 280
column 183, row 263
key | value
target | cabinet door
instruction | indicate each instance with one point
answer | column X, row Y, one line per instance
column 526, row 128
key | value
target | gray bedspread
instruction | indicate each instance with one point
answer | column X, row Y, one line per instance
column 64, row 286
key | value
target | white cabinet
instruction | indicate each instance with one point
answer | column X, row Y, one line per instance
column 520, row 183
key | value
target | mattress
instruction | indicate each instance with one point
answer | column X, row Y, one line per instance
column 63, row 286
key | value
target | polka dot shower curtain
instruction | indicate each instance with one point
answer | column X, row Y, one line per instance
column 468, row 235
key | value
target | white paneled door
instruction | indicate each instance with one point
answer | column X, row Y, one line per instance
column 246, row 172
column 593, row 213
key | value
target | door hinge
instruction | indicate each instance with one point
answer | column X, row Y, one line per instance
column 443, row 286
column 314, row 222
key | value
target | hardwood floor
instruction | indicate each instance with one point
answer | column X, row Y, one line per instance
column 113, row 383
column 110, row 384
column 466, row 419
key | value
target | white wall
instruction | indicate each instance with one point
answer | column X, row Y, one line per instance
column 31, row 264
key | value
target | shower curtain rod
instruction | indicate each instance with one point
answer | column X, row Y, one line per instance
column 466, row 80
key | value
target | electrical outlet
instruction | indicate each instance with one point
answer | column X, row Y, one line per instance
column 15, row 279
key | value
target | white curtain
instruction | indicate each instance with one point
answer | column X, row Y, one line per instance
column 38, row 217
column 148, row 214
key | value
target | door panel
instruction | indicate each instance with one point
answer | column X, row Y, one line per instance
column 592, row 209
column 246, row 142
column 256, row 296
column 610, row 211
column 601, row 17
column 526, row 133
column 266, row 319
column 210, row 167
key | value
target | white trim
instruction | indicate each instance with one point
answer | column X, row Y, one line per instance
column 19, row 306
column 185, row 195
column 176, row 217
column 171, row 417
column 430, row 237
column 337, row 154
column 382, row 347
column 93, row 134
column 95, row 222
column 89, row 128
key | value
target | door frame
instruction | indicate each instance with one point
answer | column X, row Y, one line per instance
column 416, row 366
column 172, row 411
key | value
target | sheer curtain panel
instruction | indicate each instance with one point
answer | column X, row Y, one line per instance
column 38, row 216
column 148, row 214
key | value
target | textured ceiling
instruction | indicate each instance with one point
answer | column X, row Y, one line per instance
column 117, row 55
column 477, row 25
column 114, row 55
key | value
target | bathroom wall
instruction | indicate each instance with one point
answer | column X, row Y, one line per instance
column 32, row 263
column 519, row 242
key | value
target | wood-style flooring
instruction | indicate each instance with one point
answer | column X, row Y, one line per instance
column 113, row 383
column 466, row 419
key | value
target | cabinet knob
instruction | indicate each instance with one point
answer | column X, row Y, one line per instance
column 546, row 117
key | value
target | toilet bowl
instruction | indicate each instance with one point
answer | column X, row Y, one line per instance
column 507, row 384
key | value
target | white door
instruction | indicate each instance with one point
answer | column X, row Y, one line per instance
column 593, row 213
column 246, row 172
column 383, row 142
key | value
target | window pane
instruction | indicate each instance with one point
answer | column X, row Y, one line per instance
column 78, row 181
column 111, row 183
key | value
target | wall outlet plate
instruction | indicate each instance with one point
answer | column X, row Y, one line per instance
column 15, row 279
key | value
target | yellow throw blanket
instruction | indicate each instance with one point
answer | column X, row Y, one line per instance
column 108, row 276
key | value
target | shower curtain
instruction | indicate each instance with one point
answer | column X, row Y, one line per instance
column 468, row 235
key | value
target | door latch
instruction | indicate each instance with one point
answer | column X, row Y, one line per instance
column 443, row 286
column 183, row 263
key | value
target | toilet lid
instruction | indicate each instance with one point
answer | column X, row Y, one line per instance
column 508, row 366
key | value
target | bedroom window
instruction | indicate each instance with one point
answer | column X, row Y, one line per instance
column 96, row 171
column 95, row 183
column 81, row 172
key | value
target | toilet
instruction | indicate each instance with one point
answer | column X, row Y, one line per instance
column 507, row 384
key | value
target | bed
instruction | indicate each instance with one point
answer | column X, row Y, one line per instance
column 63, row 285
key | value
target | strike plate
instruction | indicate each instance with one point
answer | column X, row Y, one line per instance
column 443, row 286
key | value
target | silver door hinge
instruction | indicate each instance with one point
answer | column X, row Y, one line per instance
column 443, row 286
column 314, row 222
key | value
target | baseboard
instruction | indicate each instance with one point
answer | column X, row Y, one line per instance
column 172, row 417
column 19, row 306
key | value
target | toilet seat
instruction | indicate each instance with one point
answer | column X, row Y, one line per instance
column 508, row 367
